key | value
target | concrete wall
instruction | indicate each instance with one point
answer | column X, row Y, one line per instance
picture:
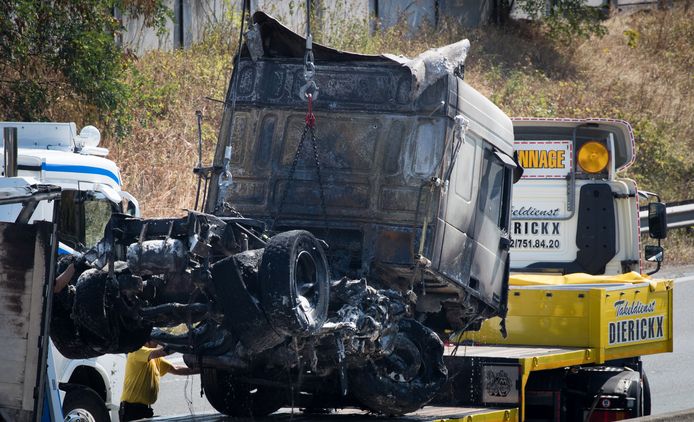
column 328, row 14
column 192, row 17
column 470, row 13
column 681, row 416
column 137, row 38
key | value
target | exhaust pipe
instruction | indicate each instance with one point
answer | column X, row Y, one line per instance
column 10, row 146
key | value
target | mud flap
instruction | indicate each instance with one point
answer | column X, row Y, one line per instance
column 242, row 316
column 595, row 231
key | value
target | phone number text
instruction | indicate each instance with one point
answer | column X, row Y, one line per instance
column 535, row 243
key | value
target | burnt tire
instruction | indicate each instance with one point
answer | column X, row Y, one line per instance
column 84, row 404
column 64, row 333
column 90, row 306
column 97, row 317
column 405, row 380
column 295, row 283
column 238, row 399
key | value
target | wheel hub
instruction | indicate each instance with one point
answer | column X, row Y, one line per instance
column 404, row 363
column 79, row 415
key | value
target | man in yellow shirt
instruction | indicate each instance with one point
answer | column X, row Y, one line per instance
column 143, row 368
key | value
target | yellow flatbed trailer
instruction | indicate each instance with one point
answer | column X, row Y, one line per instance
column 426, row 414
column 559, row 328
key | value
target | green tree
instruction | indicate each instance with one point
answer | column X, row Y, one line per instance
column 51, row 50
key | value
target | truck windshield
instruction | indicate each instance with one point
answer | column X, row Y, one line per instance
column 83, row 218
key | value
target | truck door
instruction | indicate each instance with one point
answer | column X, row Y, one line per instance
column 490, row 255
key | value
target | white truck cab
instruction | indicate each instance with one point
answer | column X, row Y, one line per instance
column 56, row 154
column 571, row 211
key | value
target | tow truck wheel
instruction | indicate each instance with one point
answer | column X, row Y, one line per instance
column 83, row 404
column 295, row 283
column 645, row 395
column 238, row 399
column 405, row 380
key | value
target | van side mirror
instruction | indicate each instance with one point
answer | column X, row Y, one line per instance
column 657, row 220
column 131, row 209
column 654, row 253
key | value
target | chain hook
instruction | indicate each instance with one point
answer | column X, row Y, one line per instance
column 309, row 89
column 309, row 66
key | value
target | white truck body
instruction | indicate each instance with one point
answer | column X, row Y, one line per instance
column 55, row 154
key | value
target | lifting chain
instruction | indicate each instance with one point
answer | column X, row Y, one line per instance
column 308, row 92
column 309, row 129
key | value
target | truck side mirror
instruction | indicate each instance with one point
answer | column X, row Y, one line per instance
column 654, row 253
column 518, row 170
column 131, row 208
column 657, row 220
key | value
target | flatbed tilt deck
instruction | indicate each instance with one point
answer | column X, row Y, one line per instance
column 573, row 345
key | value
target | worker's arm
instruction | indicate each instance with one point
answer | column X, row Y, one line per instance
column 166, row 367
column 159, row 352
column 182, row 370
column 64, row 278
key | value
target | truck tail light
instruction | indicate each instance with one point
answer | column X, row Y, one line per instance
column 593, row 157
column 607, row 415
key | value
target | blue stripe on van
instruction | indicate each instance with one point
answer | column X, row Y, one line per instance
column 81, row 169
column 64, row 249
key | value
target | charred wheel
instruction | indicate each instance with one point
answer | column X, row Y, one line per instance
column 238, row 399
column 295, row 283
column 407, row 378
column 66, row 338
column 97, row 316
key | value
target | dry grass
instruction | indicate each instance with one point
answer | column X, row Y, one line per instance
column 158, row 155
column 641, row 71
column 679, row 247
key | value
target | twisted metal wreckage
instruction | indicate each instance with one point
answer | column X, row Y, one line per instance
column 414, row 198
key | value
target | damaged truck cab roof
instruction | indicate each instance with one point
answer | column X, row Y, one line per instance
column 269, row 39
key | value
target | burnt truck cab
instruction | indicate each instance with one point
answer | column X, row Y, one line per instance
column 572, row 212
column 415, row 174
column 326, row 269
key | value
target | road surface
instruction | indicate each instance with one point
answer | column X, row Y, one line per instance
column 671, row 375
